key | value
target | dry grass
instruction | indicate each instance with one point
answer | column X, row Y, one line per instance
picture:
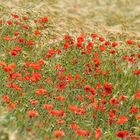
column 115, row 16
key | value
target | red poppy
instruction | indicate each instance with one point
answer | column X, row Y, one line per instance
column 74, row 126
column 122, row 134
column 137, row 72
column 122, row 120
column 48, row 106
column 134, row 109
column 32, row 113
column 57, row 112
column 114, row 44
column 34, row 102
column 138, row 117
column 114, row 101
column 98, row 133
column 83, row 132
column 36, row 32
column 61, row 85
column 130, row 42
column 44, row 19
column 137, row 95
column 59, row 133
column 87, row 88
column 40, row 91
column 60, row 98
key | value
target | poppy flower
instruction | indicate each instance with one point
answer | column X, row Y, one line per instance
column 130, row 42
column 34, row 102
column 122, row 120
column 74, row 126
column 32, row 113
column 136, row 72
column 60, row 98
column 47, row 106
column 40, row 91
column 98, row 133
column 114, row 101
column 138, row 117
column 94, row 35
column 83, row 132
column 87, row 88
column 61, row 85
column 114, row 44
column 44, row 19
column 57, row 112
column 36, row 32
column 6, row 98
column 134, row 109
column 137, row 95
column 58, row 133
column 122, row 134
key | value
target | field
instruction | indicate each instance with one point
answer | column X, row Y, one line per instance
column 69, row 69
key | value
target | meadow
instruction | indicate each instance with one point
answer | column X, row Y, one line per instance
column 69, row 70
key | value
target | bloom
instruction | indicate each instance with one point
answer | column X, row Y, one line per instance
column 32, row 113
column 122, row 120
column 122, row 134
column 59, row 133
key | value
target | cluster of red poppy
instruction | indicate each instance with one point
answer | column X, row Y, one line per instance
column 86, row 86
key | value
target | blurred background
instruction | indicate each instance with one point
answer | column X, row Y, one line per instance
column 113, row 16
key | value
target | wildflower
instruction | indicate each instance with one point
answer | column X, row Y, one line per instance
column 32, row 113
column 108, row 87
column 136, row 72
column 61, row 85
column 114, row 101
column 47, row 106
column 40, row 91
column 137, row 95
column 98, row 133
column 72, row 107
column 122, row 120
column 34, row 102
column 44, row 19
column 122, row 98
column 101, row 39
column 30, row 42
column 20, row 40
column 36, row 32
column 122, row 134
column 16, row 33
column 9, row 22
column 83, row 132
column 24, row 17
column 114, row 44
column 102, row 48
column 60, row 98
column 26, row 27
column 74, row 126
column 138, row 117
column 57, row 112
column 134, row 109
column 80, row 97
column 130, row 42
column 6, row 98
column 59, row 133
column 14, row 15
column 87, row 88
column 94, row 35
column 7, row 38
column 107, row 43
